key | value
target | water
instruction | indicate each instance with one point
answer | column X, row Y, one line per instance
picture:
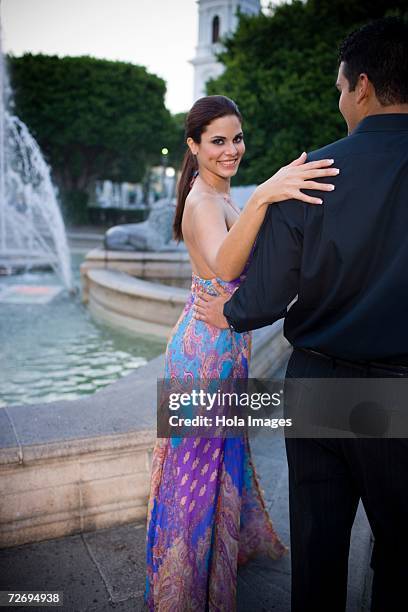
column 31, row 226
column 56, row 351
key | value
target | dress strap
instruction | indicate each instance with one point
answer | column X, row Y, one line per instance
column 195, row 174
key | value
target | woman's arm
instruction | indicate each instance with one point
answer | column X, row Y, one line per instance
column 226, row 252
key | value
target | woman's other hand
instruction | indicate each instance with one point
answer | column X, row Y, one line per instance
column 287, row 183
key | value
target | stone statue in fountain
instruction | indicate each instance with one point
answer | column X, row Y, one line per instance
column 154, row 234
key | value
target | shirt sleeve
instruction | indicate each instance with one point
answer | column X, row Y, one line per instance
column 272, row 279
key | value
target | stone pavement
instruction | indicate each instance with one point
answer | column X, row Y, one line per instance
column 104, row 570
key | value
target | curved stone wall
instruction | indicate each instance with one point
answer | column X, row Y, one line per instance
column 133, row 304
column 138, row 292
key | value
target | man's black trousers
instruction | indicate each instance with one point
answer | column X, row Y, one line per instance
column 327, row 478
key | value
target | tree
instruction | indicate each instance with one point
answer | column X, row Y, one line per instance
column 94, row 119
column 281, row 69
column 176, row 141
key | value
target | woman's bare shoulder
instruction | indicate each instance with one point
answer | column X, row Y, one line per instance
column 198, row 200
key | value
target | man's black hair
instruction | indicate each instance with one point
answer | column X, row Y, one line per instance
column 379, row 49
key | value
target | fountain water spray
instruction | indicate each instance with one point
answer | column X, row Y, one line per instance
column 32, row 231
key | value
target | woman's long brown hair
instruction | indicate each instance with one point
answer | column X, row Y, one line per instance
column 202, row 113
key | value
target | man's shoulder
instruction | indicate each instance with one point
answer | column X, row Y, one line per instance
column 330, row 150
column 292, row 212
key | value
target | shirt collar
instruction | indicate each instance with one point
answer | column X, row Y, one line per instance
column 383, row 123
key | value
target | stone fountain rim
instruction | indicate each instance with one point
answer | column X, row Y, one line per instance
column 122, row 282
column 145, row 256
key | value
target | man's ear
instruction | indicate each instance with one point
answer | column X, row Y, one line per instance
column 192, row 145
column 364, row 88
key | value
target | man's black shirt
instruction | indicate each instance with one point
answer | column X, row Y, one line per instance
column 346, row 260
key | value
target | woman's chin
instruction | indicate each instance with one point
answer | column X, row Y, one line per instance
column 228, row 172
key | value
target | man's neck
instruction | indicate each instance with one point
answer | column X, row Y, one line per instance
column 379, row 109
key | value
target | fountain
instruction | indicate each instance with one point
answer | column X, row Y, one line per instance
column 32, row 232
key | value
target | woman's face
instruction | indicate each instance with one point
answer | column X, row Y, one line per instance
column 221, row 148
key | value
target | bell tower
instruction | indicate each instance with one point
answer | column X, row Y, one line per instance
column 216, row 18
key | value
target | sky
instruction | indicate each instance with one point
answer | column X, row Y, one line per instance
column 158, row 34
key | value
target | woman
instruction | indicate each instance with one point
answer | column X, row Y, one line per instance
column 206, row 512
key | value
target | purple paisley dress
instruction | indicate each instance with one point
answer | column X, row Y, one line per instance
column 206, row 513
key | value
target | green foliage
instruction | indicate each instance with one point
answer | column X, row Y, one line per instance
column 176, row 141
column 75, row 209
column 281, row 70
column 94, row 119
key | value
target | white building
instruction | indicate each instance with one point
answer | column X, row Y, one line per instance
column 216, row 18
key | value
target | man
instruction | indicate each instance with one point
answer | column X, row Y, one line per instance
column 347, row 263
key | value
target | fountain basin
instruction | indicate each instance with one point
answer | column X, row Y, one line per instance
column 53, row 349
column 133, row 304
column 168, row 267
column 140, row 292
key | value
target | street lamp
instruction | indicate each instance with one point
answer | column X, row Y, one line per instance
column 164, row 153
